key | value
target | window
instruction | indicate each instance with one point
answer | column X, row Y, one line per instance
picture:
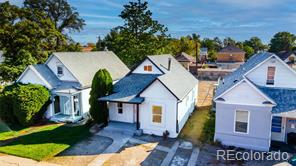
column 276, row 124
column 148, row 68
column 156, row 114
column 270, row 75
column 241, row 121
column 119, row 108
column 60, row 70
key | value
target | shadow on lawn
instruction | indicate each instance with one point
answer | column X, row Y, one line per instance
column 58, row 135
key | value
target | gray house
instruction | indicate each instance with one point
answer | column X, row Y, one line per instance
column 256, row 104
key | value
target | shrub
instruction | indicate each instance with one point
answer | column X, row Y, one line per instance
column 101, row 86
column 23, row 102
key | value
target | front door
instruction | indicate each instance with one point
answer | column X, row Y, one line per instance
column 57, row 108
column 290, row 126
column 278, row 129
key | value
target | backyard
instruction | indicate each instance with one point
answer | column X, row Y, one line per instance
column 41, row 142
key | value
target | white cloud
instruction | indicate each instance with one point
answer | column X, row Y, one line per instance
column 98, row 16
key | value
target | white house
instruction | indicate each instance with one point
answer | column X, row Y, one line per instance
column 68, row 76
column 256, row 104
column 157, row 96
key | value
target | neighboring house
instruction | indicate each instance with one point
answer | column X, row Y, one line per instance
column 185, row 59
column 230, row 57
column 203, row 54
column 157, row 96
column 289, row 57
column 68, row 76
column 256, row 104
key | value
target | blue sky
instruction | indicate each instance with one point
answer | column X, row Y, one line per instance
column 239, row 19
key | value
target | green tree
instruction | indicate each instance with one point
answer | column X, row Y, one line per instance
column 249, row 51
column 282, row 41
column 65, row 17
column 256, row 44
column 26, row 37
column 229, row 41
column 101, row 86
column 139, row 36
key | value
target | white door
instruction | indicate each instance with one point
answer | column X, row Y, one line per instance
column 278, row 128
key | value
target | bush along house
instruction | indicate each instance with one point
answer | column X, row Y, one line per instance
column 156, row 97
column 256, row 104
column 68, row 76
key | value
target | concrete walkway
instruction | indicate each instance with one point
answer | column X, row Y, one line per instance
column 119, row 139
column 8, row 160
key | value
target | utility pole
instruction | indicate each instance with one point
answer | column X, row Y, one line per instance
column 196, row 55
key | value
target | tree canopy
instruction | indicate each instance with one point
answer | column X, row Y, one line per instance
column 282, row 41
column 139, row 36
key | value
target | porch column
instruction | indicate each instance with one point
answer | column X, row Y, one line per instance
column 72, row 106
column 138, row 123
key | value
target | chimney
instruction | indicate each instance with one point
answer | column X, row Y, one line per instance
column 169, row 64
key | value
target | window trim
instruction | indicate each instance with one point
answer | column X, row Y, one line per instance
column 269, row 81
column 148, row 68
column 162, row 114
column 234, row 126
column 60, row 67
column 119, row 108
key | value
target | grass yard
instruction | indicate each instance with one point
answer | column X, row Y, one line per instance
column 42, row 142
column 200, row 127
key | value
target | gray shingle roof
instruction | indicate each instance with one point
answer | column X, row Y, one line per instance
column 178, row 80
column 127, row 89
column 284, row 98
column 285, row 54
column 231, row 48
column 52, row 79
column 183, row 57
column 238, row 74
column 84, row 65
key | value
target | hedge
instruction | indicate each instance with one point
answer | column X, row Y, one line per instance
column 24, row 102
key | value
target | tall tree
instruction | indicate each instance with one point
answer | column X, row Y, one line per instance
column 256, row 44
column 101, row 86
column 26, row 37
column 229, row 41
column 139, row 36
column 60, row 12
column 282, row 41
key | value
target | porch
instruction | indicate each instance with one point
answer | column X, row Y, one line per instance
column 282, row 125
column 66, row 106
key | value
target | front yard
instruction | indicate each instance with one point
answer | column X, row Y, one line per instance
column 41, row 142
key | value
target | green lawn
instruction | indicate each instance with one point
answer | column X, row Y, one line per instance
column 43, row 142
column 200, row 127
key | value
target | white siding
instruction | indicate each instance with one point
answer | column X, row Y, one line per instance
column 186, row 107
column 53, row 63
column 244, row 94
column 283, row 76
column 140, row 68
column 259, row 134
column 157, row 94
column 31, row 77
column 127, row 113
column 84, row 99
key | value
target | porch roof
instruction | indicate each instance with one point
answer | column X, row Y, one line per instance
column 127, row 89
column 285, row 98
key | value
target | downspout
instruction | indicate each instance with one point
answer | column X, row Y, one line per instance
column 177, row 122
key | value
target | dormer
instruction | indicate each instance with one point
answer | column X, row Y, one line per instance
column 59, row 69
